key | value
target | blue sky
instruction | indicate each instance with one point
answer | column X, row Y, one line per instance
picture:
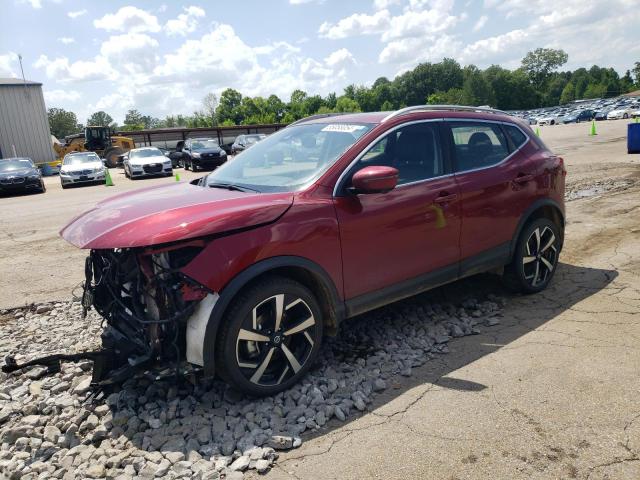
column 163, row 58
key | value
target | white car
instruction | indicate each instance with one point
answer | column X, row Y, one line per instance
column 619, row 113
column 81, row 167
column 635, row 113
column 146, row 161
column 549, row 120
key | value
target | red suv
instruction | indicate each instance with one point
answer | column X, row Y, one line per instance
column 243, row 271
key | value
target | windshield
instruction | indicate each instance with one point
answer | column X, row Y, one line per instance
column 15, row 164
column 79, row 158
column 290, row 158
column 203, row 144
column 147, row 152
column 249, row 139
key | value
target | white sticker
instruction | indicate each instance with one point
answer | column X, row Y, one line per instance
column 342, row 127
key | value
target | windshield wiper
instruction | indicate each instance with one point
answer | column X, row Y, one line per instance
column 230, row 186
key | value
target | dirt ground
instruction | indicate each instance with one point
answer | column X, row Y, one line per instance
column 550, row 393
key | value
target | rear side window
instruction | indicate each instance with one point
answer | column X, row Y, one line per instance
column 478, row 144
column 515, row 134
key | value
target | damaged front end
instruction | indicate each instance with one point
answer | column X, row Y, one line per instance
column 145, row 301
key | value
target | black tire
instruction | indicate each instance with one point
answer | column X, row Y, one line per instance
column 278, row 359
column 64, row 187
column 535, row 259
column 43, row 187
column 111, row 156
column 186, row 164
column 625, row 116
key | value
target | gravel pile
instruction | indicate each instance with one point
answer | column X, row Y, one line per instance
column 145, row 429
column 600, row 187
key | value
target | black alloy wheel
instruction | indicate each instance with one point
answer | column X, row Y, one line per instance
column 272, row 334
column 536, row 257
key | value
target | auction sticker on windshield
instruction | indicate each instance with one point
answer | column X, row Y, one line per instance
column 342, row 127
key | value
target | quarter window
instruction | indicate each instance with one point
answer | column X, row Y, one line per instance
column 515, row 134
column 414, row 150
column 478, row 144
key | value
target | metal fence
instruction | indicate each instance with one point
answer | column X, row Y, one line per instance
column 169, row 137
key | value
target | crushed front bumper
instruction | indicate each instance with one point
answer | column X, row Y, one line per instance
column 146, row 302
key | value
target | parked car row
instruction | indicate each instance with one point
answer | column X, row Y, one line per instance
column 583, row 111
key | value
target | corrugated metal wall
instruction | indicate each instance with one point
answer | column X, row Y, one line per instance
column 24, row 123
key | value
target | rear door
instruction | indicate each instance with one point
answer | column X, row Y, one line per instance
column 409, row 232
column 497, row 184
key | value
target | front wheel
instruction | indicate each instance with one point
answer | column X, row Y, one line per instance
column 625, row 116
column 270, row 338
column 535, row 258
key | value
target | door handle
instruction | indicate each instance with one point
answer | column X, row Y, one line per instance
column 523, row 178
column 445, row 198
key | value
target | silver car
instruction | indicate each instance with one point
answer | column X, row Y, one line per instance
column 81, row 167
column 146, row 161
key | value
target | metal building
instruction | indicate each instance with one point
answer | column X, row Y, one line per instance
column 24, row 125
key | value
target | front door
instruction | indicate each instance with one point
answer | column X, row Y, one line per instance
column 392, row 240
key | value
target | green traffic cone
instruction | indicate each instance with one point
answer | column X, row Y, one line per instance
column 593, row 128
column 537, row 131
column 107, row 179
column 177, row 177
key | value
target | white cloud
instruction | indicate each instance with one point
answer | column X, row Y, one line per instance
column 340, row 58
column 61, row 97
column 33, row 3
column 62, row 70
column 77, row 13
column 482, row 21
column 356, row 24
column 186, row 22
column 7, row 63
column 128, row 19
column 302, row 2
column 131, row 52
column 66, row 40
column 383, row 4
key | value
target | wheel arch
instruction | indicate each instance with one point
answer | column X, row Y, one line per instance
column 544, row 208
column 300, row 269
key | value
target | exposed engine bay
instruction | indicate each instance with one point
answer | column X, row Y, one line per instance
column 145, row 302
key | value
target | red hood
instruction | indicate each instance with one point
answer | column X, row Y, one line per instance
column 168, row 213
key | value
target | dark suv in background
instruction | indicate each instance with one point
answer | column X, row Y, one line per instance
column 243, row 271
column 202, row 153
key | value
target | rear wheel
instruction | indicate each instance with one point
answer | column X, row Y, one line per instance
column 270, row 338
column 535, row 258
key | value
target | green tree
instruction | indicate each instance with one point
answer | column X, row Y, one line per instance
column 346, row 104
column 229, row 108
column 133, row 120
column 62, row 122
column 568, row 93
column 636, row 72
column 475, row 89
column 100, row 119
column 541, row 62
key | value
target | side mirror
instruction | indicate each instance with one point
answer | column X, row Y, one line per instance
column 374, row 179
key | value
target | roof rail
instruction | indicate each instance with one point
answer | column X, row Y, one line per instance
column 449, row 108
column 318, row 115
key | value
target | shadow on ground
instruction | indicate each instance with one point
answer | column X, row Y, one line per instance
column 210, row 418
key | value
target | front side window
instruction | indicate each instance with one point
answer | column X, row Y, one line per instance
column 290, row 158
column 414, row 150
column 478, row 144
